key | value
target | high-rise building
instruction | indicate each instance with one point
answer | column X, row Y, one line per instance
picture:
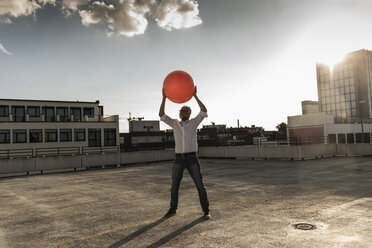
column 345, row 90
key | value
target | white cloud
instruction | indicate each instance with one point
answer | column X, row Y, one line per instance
column 128, row 17
column 176, row 14
column 16, row 8
column 123, row 17
column 2, row 49
column 74, row 4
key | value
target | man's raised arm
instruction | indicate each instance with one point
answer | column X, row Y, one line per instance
column 201, row 105
column 162, row 106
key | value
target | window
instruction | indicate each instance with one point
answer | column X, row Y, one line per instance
column 76, row 112
column 79, row 134
column 36, row 135
column 110, row 136
column 331, row 138
column 63, row 113
column 65, row 135
column 19, row 136
column 94, row 137
column 366, row 138
column 51, row 135
column 4, row 136
column 4, row 111
column 48, row 113
column 341, row 138
column 33, row 111
column 18, row 113
column 89, row 112
column 350, row 138
column 358, row 138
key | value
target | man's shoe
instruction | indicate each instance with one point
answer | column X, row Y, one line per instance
column 207, row 215
column 170, row 213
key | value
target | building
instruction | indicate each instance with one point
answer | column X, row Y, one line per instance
column 140, row 125
column 145, row 135
column 309, row 107
column 55, row 126
column 320, row 128
column 344, row 100
column 345, row 91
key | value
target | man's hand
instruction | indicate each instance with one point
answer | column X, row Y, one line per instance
column 195, row 90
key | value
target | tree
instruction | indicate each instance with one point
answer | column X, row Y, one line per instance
column 282, row 129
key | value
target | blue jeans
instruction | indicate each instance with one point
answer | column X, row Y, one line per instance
column 191, row 163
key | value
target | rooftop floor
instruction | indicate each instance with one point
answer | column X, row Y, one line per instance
column 253, row 204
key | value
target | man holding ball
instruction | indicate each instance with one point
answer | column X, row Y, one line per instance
column 185, row 137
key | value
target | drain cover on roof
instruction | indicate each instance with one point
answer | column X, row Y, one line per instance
column 304, row 226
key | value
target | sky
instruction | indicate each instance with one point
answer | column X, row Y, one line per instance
column 252, row 60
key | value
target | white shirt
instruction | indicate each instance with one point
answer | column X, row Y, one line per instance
column 185, row 132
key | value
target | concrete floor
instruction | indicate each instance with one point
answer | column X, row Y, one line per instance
column 253, row 204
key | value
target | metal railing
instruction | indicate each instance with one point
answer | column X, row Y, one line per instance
column 16, row 153
column 100, row 149
column 57, row 151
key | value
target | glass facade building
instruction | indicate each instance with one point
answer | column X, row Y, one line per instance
column 345, row 90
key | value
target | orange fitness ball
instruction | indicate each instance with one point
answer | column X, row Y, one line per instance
column 178, row 86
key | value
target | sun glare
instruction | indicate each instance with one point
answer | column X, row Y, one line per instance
column 331, row 59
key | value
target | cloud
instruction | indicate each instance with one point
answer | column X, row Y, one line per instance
column 177, row 14
column 2, row 49
column 16, row 8
column 122, row 17
column 128, row 17
column 74, row 4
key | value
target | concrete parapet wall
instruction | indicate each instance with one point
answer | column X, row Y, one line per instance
column 212, row 152
column 242, row 151
column 101, row 159
column 18, row 165
column 354, row 149
column 23, row 165
column 56, row 163
column 315, row 151
column 278, row 152
column 163, row 155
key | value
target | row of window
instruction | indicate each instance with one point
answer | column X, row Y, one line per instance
column 349, row 138
column 342, row 113
column 338, row 106
column 337, row 76
column 347, row 98
column 337, row 68
column 338, row 84
column 338, row 92
column 64, row 135
column 19, row 112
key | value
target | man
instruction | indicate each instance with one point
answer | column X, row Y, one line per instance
column 185, row 137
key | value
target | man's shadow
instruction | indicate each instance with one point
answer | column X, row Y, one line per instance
column 172, row 235
column 137, row 233
column 161, row 241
